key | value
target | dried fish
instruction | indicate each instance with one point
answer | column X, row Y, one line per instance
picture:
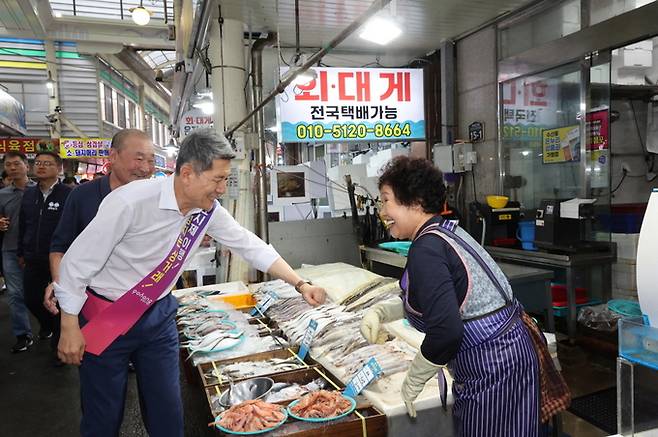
column 214, row 341
column 250, row 369
column 207, row 327
column 287, row 392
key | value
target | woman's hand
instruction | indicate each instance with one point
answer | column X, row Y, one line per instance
column 420, row 371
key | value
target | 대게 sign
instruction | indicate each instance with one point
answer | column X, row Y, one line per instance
column 76, row 148
column 352, row 104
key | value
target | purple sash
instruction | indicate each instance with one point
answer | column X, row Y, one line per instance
column 121, row 315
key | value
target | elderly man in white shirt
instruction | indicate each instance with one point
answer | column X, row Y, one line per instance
column 124, row 254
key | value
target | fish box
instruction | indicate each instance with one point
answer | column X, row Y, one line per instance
column 348, row 426
column 300, row 376
column 205, row 369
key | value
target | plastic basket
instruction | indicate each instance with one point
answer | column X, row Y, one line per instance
column 626, row 308
column 401, row 247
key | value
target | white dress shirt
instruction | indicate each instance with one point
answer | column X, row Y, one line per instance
column 135, row 227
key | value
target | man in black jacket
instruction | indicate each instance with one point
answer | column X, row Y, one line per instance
column 41, row 210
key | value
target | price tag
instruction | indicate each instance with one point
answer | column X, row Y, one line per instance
column 363, row 377
column 308, row 339
column 264, row 304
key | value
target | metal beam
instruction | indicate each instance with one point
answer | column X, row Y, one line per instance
column 77, row 29
column 448, row 81
column 259, row 128
column 375, row 7
column 623, row 29
column 135, row 62
column 183, row 80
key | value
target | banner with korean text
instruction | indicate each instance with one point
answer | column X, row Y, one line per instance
column 28, row 146
column 353, row 104
column 78, row 148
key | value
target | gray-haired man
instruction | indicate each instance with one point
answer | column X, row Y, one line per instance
column 140, row 238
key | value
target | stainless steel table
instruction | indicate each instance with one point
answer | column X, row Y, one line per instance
column 523, row 279
column 571, row 264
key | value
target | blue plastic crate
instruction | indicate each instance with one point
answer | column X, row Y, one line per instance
column 638, row 342
column 621, row 223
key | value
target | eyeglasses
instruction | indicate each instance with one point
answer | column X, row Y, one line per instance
column 44, row 163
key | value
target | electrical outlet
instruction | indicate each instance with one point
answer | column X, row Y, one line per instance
column 625, row 167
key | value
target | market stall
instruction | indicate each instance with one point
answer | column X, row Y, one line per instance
column 303, row 349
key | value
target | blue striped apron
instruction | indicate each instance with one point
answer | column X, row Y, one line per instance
column 496, row 371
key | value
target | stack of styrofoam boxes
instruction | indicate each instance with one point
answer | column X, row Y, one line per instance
column 630, row 63
column 624, row 283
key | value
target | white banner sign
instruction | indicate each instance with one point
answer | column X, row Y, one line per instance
column 353, row 104
column 195, row 119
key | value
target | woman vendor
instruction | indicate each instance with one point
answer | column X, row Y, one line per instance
column 454, row 292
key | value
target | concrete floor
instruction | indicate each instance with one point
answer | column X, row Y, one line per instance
column 584, row 378
column 38, row 399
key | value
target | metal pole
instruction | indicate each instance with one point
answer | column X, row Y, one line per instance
column 375, row 7
column 259, row 128
column 355, row 211
column 297, row 27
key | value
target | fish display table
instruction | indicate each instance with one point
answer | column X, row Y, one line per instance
column 337, row 351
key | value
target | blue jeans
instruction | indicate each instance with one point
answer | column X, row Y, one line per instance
column 13, row 273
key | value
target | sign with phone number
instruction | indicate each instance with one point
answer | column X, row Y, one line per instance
column 353, row 131
column 352, row 104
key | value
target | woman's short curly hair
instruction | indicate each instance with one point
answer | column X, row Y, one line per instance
column 415, row 181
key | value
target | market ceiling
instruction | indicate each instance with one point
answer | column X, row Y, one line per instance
column 425, row 23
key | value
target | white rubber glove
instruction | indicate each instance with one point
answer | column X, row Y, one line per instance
column 421, row 371
column 381, row 313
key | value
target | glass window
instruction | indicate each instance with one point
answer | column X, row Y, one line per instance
column 132, row 115
column 121, row 111
column 148, row 125
column 547, row 25
column 154, row 128
column 101, row 91
column 107, row 104
column 601, row 10
column 541, row 137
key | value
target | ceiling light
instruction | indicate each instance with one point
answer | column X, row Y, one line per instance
column 58, row 15
column 206, row 106
column 50, row 85
column 305, row 77
column 380, row 31
column 141, row 15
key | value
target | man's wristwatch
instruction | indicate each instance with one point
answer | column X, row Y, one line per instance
column 300, row 283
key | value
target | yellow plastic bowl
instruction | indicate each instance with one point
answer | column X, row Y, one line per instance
column 497, row 202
